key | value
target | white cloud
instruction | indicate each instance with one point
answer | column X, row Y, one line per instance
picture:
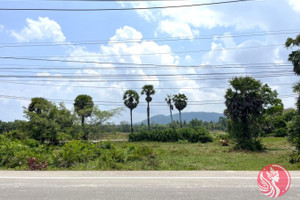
column 295, row 4
column 1, row 27
column 188, row 58
column 240, row 16
column 175, row 29
column 41, row 29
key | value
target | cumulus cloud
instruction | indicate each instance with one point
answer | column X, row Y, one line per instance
column 41, row 29
column 241, row 16
column 295, row 4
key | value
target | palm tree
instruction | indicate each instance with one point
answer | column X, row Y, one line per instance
column 180, row 103
column 131, row 100
column 169, row 102
column 84, row 105
column 294, row 57
column 148, row 90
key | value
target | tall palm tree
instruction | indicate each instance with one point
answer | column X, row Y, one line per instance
column 294, row 57
column 148, row 90
column 168, row 99
column 131, row 100
column 84, row 105
column 180, row 103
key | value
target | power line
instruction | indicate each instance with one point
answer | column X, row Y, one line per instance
column 162, row 39
column 228, row 65
column 92, row 76
column 93, row 62
column 193, row 103
column 122, row 9
column 89, row 80
column 157, row 53
column 124, row 88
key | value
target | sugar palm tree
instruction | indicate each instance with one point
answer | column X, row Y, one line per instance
column 168, row 99
column 148, row 90
column 294, row 57
column 131, row 100
column 84, row 105
column 180, row 103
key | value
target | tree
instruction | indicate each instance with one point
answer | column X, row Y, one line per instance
column 180, row 103
column 47, row 124
column 131, row 100
column 168, row 99
column 84, row 105
column 246, row 103
column 148, row 91
column 294, row 57
column 39, row 105
column 99, row 117
column 294, row 125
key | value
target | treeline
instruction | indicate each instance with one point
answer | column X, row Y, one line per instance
column 50, row 123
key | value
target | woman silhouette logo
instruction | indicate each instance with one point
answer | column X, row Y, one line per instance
column 274, row 180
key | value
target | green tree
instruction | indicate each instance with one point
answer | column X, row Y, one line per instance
column 180, row 102
column 294, row 125
column 168, row 99
column 47, row 124
column 39, row 105
column 83, row 106
column 131, row 100
column 148, row 90
column 246, row 103
column 99, row 117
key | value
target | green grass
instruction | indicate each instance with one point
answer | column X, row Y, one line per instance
column 114, row 136
column 212, row 156
column 188, row 156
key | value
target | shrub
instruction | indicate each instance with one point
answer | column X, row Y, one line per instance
column 33, row 164
column 198, row 134
column 74, row 152
column 280, row 132
column 294, row 158
column 250, row 145
column 13, row 153
column 294, row 132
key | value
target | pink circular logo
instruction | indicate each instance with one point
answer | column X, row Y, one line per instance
column 274, row 180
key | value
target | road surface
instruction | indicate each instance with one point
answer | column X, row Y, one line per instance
column 132, row 185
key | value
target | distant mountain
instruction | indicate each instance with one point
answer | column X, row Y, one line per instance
column 188, row 116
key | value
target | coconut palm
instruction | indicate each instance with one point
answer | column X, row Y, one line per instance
column 180, row 103
column 148, row 90
column 168, row 99
column 131, row 100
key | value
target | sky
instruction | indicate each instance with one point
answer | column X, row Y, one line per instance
column 192, row 50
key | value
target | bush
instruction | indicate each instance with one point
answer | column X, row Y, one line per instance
column 14, row 154
column 280, row 132
column 199, row 134
column 33, row 164
column 250, row 145
column 294, row 132
column 294, row 158
column 74, row 152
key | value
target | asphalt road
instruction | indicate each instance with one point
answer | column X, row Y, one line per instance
column 134, row 185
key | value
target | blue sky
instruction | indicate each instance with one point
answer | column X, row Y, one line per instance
column 226, row 40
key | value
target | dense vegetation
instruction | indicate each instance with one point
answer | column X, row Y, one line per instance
column 199, row 134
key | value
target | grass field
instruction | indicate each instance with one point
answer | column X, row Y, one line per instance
column 212, row 156
column 177, row 156
column 208, row 156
